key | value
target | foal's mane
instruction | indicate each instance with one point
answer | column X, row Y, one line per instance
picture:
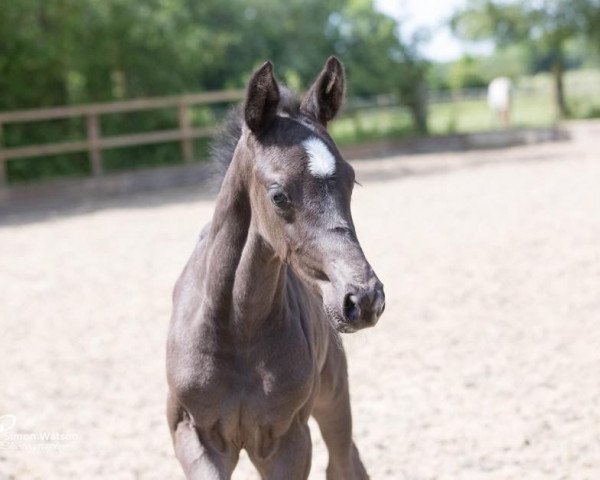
column 228, row 135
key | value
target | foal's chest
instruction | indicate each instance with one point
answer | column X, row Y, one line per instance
column 241, row 387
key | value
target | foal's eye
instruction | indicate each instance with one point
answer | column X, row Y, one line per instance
column 280, row 199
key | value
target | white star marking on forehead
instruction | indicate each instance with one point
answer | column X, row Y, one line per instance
column 321, row 162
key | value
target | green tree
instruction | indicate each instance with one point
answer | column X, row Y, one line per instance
column 57, row 52
column 547, row 24
column 376, row 58
column 466, row 73
column 72, row 51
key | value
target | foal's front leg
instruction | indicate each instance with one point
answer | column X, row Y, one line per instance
column 333, row 414
column 199, row 459
column 291, row 460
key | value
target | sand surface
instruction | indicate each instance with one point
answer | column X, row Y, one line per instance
column 486, row 364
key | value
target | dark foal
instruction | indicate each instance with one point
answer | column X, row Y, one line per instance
column 253, row 347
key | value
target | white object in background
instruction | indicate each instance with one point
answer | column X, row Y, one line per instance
column 499, row 98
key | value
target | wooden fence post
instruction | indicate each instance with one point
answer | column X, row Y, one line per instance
column 187, row 144
column 93, row 137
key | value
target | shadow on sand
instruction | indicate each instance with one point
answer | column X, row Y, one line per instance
column 379, row 169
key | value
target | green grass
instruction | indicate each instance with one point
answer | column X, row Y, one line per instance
column 582, row 90
column 475, row 115
column 533, row 106
column 444, row 118
column 372, row 124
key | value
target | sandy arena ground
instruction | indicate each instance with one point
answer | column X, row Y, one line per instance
column 486, row 364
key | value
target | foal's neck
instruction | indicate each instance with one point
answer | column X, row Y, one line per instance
column 258, row 293
column 244, row 283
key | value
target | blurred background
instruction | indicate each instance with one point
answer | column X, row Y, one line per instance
column 414, row 68
column 473, row 127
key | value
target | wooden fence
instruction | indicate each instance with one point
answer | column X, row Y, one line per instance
column 95, row 143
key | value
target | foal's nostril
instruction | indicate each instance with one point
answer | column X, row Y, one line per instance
column 351, row 308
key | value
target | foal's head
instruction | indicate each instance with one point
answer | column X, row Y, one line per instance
column 300, row 189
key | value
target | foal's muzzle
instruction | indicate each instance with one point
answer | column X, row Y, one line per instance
column 362, row 308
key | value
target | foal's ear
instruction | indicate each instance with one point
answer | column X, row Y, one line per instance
column 326, row 95
column 262, row 99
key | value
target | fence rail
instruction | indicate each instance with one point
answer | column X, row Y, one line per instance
column 95, row 143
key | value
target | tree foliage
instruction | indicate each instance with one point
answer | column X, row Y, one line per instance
column 466, row 73
column 72, row 51
column 545, row 25
column 58, row 52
